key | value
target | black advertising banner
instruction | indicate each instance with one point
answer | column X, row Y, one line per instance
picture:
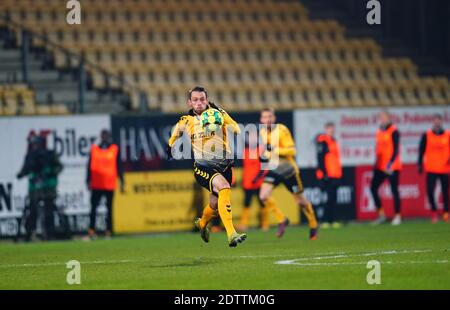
column 142, row 140
column 316, row 193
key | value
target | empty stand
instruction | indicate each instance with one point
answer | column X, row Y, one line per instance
column 250, row 54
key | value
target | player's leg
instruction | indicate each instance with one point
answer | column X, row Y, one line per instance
column 431, row 184
column 203, row 177
column 332, row 202
column 394, row 180
column 264, row 213
column 221, row 186
column 377, row 180
column 209, row 212
column 308, row 210
column 95, row 200
column 245, row 215
column 270, row 205
column 445, row 195
column 109, row 214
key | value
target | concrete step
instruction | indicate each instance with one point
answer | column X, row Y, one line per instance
column 7, row 55
column 98, row 107
column 60, row 85
column 32, row 75
column 64, row 95
column 15, row 65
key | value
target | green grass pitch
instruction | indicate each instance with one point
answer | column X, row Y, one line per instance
column 414, row 255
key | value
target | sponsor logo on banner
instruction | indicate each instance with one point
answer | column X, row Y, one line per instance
column 143, row 139
column 355, row 132
column 412, row 191
column 316, row 194
column 71, row 138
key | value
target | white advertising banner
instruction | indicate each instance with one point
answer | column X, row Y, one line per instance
column 71, row 138
column 355, row 132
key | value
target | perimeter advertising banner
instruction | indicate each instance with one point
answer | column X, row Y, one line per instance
column 71, row 138
column 412, row 191
column 355, row 131
column 162, row 195
column 164, row 201
column 314, row 190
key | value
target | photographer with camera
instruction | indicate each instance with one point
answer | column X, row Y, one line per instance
column 42, row 167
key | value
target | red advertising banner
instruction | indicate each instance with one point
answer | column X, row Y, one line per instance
column 412, row 193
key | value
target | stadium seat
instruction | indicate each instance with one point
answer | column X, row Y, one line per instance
column 262, row 51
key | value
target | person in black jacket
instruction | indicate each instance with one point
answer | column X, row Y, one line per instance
column 42, row 167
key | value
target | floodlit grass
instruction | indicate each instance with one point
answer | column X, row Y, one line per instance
column 414, row 255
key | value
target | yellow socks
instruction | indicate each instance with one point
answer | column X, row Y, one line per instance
column 225, row 213
column 207, row 216
column 310, row 216
column 245, row 217
column 264, row 218
column 271, row 206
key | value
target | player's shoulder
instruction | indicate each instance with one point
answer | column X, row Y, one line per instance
column 283, row 127
column 321, row 137
column 185, row 119
column 214, row 106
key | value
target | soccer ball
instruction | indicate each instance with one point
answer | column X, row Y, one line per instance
column 211, row 119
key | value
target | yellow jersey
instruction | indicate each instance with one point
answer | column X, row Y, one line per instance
column 281, row 142
column 208, row 146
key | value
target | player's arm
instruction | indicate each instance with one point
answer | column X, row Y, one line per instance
column 322, row 150
column 176, row 133
column 396, row 143
column 230, row 122
column 422, row 147
column 286, row 145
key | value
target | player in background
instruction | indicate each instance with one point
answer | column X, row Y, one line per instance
column 329, row 171
column 280, row 151
column 434, row 158
column 211, row 171
column 387, row 166
column 251, row 181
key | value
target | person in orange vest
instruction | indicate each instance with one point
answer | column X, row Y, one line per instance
column 329, row 171
column 104, row 167
column 387, row 166
column 252, row 178
column 434, row 158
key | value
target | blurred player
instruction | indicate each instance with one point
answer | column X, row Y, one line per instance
column 387, row 166
column 280, row 148
column 434, row 158
column 211, row 171
column 329, row 171
column 251, row 181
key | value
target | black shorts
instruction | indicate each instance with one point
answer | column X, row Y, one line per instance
column 289, row 176
column 205, row 174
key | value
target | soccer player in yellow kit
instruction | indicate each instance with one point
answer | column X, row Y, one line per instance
column 213, row 162
column 280, row 152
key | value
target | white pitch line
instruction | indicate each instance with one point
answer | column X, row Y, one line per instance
column 299, row 261
column 144, row 261
column 97, row 262
column 364, row 263
column 329, row 255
